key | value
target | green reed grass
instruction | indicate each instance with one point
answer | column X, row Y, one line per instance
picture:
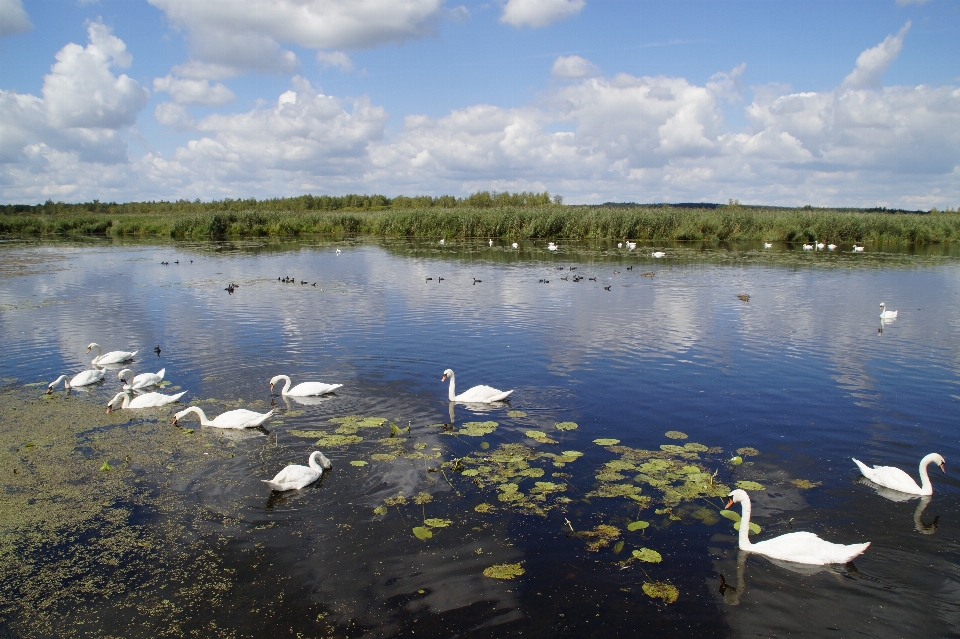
column 651, row 223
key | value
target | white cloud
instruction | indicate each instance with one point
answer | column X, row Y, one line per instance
column 872, row 63
column 539, row 13
column 573, row 66
column 173, row 115
column 13, row 18
column 189, row 91
column 727, row 84
column 230, row 37
column 337, row 59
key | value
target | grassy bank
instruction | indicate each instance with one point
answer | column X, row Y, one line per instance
column 659, row 223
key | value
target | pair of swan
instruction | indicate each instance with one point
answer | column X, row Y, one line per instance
column 896, row 479
column 476, row 395
column 113, row 357
column 142, row 380
column 239, row 418
column 83, row 378
column 798, row 547
column 295, row 477
column 147, row 400
column 304, row 389
column 885, row 314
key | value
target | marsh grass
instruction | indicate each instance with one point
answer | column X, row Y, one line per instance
column 654, row 223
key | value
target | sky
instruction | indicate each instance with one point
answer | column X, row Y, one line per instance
column 827, row 103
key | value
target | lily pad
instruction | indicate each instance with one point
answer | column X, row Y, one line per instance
column 503, row 571
column 661, row 590
column 437, row 523
column 606, row 442
column 380, row 510
column 747, row 451
column 477, row 429
column 516, row 414
column 470, row 472
column 617, row 547
column 730, row 514
column 637, row 525
column 805, row 483
column 540, row 436
column 422, row 497
column 736, row 461
column 422, row 533
column 675, row 434
column 645, row 554
column 566, row 426
column 755, row 529
column 358, row 462
column 750, row 485
column 484, row 508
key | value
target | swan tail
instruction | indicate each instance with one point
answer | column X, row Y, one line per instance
column 854, row 550
column 500, row 397
column 178, row 395
column 272, row 484
column 161, row 373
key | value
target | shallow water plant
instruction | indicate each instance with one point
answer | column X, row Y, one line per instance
column 503, row 571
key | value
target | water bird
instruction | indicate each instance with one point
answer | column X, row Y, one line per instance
column 648, row 274
column 239, row 418
column 303, row 389
column 478, row 394
column 83, row 378
column 619, row 244
column 338, row 251
column 552, row 247
column 820, row 245
column 887, row 314
column 606, row 288
column 658, row 254
column 140, row 381
column 156, row 349
column 490, row 242
column 808, row 247
column 798, row 547
column 113, row 357
column 476, row 281
column 616, row 272
column 439, row 279
column 165, row 263
column 295, row 476
column 573, row 268
column 442, row 241
column 591, row 279
column 515, row 245
column 314, row 285
column 230, row 288
column 767, row 245
column 176, row 261
column 743, row 297
column 831, row 246
column 147, row 400
column 559, row 268
column 631, row 245
column 565, row 278
column 891, row 477
column 629, row 268
column 857, row 249
column 429, row 279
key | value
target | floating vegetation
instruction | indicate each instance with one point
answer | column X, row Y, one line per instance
column 750, row 485
column 606, row 442
column 380, row 510
column 735, row 517
column 645, row 554
column 516, row 414
column 437, row 523
column 600, row 537
column 484, row 508
column 748, row 452
column 503, row 571
column 675, row 434
column 333, row 441
column 382, row 457
column 566, row 426
column 106, row 466
column 422, row 497
column 805, row 484
column 637, row 525
column 708, row 516
column 540, row 436
column 358, row 462
column 422, row 533
column 661, row 590
column 476, row 429
column 736, row 461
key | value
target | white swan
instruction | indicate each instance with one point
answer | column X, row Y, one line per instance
column 884, row 314
column 767, row 245
column 239, row 418
column 303, row 389
column 113, row 357
column 631, row 245
column 442, row 241
column 490, row 243
column 140, row 381
column 831, row 246
column 820, row 245
column 295, row 477
column 147, row 400
column 619, row 244
column 83, row 378
column 552, row 247
column 891, row 477
column 808, row 247
column 477, row 394
column 799, row 547
column 658, row 254
column 515, row 245
column 858, row 249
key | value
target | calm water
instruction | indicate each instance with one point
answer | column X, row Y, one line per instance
column 800, row 372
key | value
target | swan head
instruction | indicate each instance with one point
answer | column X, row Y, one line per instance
column 92, row 346
column 737, row 496
column 116, row 398
column 447, row 373
column 938, row 460
column 275, row 380
column 124, row 374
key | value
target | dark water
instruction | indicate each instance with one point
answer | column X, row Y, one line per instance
column 800, row 372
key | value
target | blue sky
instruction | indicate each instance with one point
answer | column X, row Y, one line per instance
column 826, row 103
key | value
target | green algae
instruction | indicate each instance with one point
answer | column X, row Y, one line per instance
column 566, row 426
column 660, row 590
column 503, row 571
column 750, row 485
column 675, row 434
column 516, row 414
column 805, row 484
column 603, row 441
column 748, row 452
column 476, row 429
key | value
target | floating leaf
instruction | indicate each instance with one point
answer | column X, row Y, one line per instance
column 615, row 490
column 540, row 436
column 382, row 457
column 516, row 414
column 484, row 508
column 503, row 571
column 422, row 497
column 606, row 442
column 572, row 453
column 637, row 525
column 693, row 447
column 730, row 514
column 736, row 461
column 566, row 426
column 617, row 547
column 477, row 429
column 755, row 529
column 380, row 510
column 660, row 590
column 750, row 485
column 805, row 483
column 645, row 554
column 471, row 472
column 106, row 466
column 422, row 533
column 188, row 431
column 747, row 451
column 358, row 462
column 676, row 434
column 484, row 445
column 437, row 523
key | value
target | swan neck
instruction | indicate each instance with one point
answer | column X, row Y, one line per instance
column 452, row 394
column 313, row 462
column 286, row 384
column 926, row 488
column 745, row 525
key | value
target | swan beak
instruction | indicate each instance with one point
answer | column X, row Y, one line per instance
column 943, row 468
column 271, row 386
column 50, row 390
column 729, row 504
column 108, row 409
column 443, row 379
column 174, row 421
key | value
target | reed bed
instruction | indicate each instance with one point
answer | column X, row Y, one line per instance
column 651, row 223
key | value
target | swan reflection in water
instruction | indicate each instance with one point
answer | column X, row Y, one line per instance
column 732, row 594
column 897, row 496
column 307, row 400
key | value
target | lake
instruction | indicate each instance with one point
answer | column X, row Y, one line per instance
column 589, row 504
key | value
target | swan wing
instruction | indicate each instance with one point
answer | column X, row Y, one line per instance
column 84, row 378
column 894, row 478
column 150, row 400
column 293, row 477
column 807, row 548
column 115, row 357
column 306, row 389
column 482, row 394
column 240, row 418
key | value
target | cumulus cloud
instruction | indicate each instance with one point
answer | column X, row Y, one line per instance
column 189, row 91
column 573, row 66
column 13, row 19
column 230, row 37
column 872, row 63
column 726, row 84
column 539, row 13
column 337, row 59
